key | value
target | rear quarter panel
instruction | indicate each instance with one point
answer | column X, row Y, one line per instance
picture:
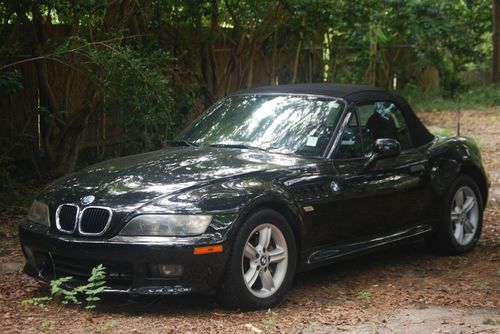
column 450, row 157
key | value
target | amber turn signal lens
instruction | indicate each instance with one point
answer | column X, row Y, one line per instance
column 208, row 250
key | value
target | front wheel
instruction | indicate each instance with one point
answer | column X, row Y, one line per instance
column 461, row 219
column 262, row 264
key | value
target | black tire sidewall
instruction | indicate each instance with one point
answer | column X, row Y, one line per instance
column 234, row 278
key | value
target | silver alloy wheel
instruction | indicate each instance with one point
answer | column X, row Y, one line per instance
column 265, row 260
column 464, row 215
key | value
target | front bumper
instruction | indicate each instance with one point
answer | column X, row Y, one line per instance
column 127, row 260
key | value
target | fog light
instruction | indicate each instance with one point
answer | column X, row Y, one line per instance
column 170, row 270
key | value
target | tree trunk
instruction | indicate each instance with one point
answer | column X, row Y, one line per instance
column 495, row 68
column 371, row 72
column 296, row 61
column 251, row 61
column 272, row 76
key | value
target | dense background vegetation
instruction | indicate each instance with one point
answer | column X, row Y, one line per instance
column 85, row 80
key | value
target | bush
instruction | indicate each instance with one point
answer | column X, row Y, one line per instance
column 471, row 97
column 137, row 89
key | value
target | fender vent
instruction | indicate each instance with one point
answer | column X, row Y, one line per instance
column 312, row 191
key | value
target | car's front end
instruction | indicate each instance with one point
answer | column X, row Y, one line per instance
column 134, row 264
column 154, row 233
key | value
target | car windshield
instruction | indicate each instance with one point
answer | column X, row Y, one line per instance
column 285, row 124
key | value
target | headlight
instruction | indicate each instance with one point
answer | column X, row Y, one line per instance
column 167, row 225
column 39, row 213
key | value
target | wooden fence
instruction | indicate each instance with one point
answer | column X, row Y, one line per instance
column 21, row 117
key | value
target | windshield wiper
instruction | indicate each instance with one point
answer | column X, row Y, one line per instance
column 237, row 145
column 181, row 143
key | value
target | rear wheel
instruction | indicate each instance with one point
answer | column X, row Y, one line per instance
column 262, row 264
column 461, row 218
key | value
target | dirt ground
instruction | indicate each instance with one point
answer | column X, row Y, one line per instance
column 403, row 290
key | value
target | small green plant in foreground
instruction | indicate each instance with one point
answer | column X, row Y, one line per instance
column 481, row 285
column 330, row 287
column 45, row 325
column 365, row 295
column 489, row 321
column 37, row 301
column 270, row 319
column 107, row 326
column 91, row 290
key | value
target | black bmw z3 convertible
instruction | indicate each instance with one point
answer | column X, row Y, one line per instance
column 268, row 182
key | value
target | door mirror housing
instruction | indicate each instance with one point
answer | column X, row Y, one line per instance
column 382, row 149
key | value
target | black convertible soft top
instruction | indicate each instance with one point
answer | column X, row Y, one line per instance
column 326, row 89
column 358, row 94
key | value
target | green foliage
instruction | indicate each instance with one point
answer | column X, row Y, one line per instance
column 107, row 326
column 445, row 132
column 91, row 290
column 135, row 86
column 365, row 295
column 142, row 92
column 156, row 64
column 37, row 301
column 480, row 285
column 330, row 287
column 10, row 82
column 474, row 97
column 66, row 296
column 45, row 325
column 270, row 320
column 490, row 321
column 95, row 287
column 17, row 192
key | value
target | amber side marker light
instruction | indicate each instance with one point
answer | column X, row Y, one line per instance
column 208, row 250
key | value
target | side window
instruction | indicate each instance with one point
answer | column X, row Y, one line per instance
column 350, row 145
column 365, row 111
column 383, row 120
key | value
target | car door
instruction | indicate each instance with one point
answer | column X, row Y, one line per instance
column 389, row 197
column 321, row 205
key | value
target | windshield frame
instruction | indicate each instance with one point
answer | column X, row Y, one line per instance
column 331, row 142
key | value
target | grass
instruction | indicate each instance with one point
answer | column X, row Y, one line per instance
column 330, row 287
column 441, row 131
column 473, row 97
column 489, row 321
column 107, row 326
column 365, row 295
column 45, row 325
column 6, row 243
column 481, row 285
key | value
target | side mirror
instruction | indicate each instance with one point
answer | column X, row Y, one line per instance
column 382, row 149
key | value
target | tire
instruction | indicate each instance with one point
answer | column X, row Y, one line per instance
column 461, row 219
column 258, row 277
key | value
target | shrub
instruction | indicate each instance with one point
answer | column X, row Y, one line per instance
column 471, row 97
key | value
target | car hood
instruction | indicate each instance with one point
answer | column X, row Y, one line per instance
column 130, row 182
